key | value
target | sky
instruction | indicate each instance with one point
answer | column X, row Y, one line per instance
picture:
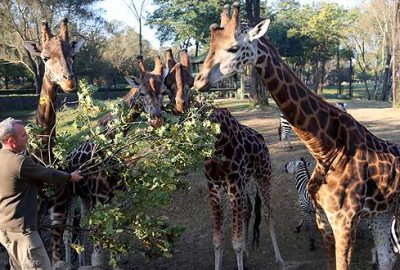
column 117, row 10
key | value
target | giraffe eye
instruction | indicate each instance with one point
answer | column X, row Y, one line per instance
column 45, row 58
column 233, row 49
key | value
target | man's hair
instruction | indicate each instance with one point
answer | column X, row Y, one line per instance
column 7, row 128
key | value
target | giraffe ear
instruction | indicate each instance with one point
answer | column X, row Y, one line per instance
column 133, row 81
column 76, row 46
column 259, row 30
column 32, row 48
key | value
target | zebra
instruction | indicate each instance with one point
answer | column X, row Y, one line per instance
column 284, row 131
column 299, row 168
column 285, row 128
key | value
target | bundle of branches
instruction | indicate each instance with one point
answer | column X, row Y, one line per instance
column 148, row 161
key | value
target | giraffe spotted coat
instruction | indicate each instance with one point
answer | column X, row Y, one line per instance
column 240, row 155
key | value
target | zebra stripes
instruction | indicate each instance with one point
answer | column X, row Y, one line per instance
column 284, row 131
column 394, row 237
column 302, row 177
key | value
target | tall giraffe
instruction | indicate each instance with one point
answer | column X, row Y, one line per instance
column 56, row 53
column 356, row 173
column 100, row 186
column 179, row 81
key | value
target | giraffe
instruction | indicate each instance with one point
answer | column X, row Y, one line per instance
column 150, row 89
column 100, row 186
column 240, row 154
column 56, row 53
column 179, row 81
column 356, row 174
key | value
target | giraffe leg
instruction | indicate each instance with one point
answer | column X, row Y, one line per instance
column 214, row 192
column 264, row 183
column 57, row 217
column 218, row 238
column 86, row 206
column 248, row 208
column 238, row 242
column 57, row 232
column 344, row 226
column 67, row 235
column 327, row 236
column 380, row 226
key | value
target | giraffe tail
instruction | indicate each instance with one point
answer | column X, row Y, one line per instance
column 257, row 221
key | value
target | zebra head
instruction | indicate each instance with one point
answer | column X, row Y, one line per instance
column 293, row 166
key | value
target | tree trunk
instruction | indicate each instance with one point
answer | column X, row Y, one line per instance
column 338, row 82
column 396, row 56
column 351, row 77
column 321, row 80
column 140, row 37
column 386, row 77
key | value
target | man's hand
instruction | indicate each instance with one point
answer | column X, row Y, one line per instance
column 76, row 176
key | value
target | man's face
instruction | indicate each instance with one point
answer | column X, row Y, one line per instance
column 19, row 141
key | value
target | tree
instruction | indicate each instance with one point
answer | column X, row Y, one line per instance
column 185, row 21
column 20, row 21
column 325, row 24
column 119, row 52
column 91, row 64
column 137, row 11
column 11, row 72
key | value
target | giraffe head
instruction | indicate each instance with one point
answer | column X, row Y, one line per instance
column 57, row 53
column 232, row 46
column 150, row 89
column 179, row 81
column 292, row 166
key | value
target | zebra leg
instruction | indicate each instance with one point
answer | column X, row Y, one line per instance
column 298, row 227
column 308, row 220
column 381, row 226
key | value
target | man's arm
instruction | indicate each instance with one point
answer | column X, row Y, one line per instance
column 31, row 171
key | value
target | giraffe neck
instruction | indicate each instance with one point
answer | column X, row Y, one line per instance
column 315, row 121
column 46, row 117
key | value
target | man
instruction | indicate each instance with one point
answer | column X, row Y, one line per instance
column 19, row 175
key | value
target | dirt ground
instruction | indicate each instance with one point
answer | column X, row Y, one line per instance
column 192, row 209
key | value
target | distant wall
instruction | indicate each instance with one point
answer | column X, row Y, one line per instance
column 30, row 102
